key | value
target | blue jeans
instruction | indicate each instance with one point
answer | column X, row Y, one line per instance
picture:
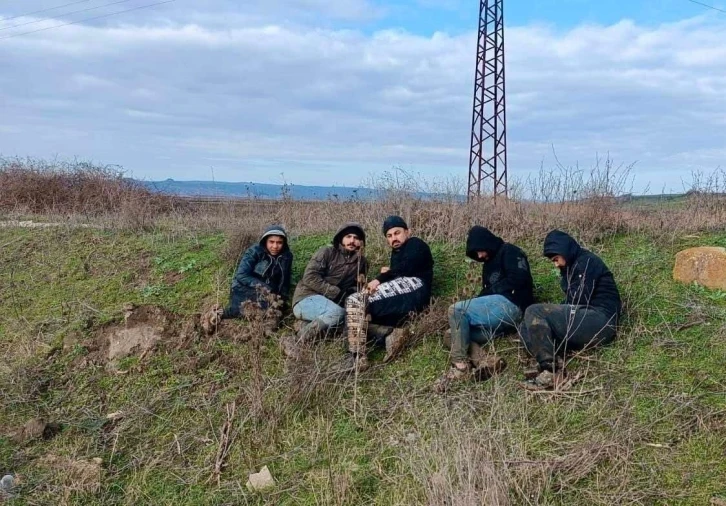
column 317, row 307
column 479, row 320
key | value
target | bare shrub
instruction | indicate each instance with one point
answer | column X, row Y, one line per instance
column 79, row 188
column 238, row 240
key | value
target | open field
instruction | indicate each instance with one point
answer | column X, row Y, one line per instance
column 645, row 425
column 183, row 419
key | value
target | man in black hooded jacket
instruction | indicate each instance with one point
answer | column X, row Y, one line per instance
column 507, row 290
column 589, row 315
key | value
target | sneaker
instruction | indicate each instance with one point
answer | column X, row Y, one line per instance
column 211, row 319
column 453, row 375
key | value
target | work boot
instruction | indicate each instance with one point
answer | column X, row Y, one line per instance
column 376, row 334
column 211, row 319
column 488, row 366
column 353, row 361
column 289, row 347
column 457, row 373
column 311, row 331
column 395, row 342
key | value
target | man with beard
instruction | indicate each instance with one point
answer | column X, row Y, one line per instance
column 263, row 275
column 587, row 318
column 332, row 274
column 507, row 290
column 401, row 289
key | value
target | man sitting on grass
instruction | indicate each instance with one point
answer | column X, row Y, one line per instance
column 398, row 291
column 587, row 318
column 263, row 276
column 332, row 274
column 507, row 290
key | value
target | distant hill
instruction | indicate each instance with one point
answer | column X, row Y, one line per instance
column 257, row 190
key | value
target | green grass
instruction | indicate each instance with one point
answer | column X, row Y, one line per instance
column 645, row 425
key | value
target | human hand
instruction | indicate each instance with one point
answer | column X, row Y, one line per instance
column 373, row 286
column 385, row 270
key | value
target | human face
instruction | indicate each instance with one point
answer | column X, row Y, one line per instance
column 482, row 255
column 351, row 242
column 274, row 245
column 559, row 261
column 397, row 236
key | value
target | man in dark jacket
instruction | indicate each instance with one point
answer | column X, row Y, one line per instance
column 589, row 315
column 264, row 271
column 399, row 290
column 332, row 274
column 507, row 290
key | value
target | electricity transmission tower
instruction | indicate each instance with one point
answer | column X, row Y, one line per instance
column 488, row 155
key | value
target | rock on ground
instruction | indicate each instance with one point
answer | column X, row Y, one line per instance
column 260, row 481
column 704, row 265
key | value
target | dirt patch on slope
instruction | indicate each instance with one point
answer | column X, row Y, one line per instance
column 143, row 328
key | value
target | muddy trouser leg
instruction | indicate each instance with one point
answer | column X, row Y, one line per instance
column 550, row 330
column 236, row 299
column 356, row 323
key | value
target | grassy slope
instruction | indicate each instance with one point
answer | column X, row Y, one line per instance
column 646, row 425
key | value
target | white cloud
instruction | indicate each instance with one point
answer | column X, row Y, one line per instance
column 291, row 97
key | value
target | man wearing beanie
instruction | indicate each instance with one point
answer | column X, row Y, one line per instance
column 332, row 274
column 402, row 288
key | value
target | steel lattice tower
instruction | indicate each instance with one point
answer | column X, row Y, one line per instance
column 488, row 156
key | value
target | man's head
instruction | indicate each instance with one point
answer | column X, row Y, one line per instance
column 559, row 261
column 274, row 244
column 396, row 231
column 561, row 249
column 481, row 244
column 351, row 237
column 274, row 240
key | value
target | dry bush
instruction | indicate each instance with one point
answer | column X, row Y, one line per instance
column 79, row 188
column 238, row 240
column 591, row 204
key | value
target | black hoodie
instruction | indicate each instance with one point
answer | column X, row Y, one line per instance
column 506, row 272
column 586, row 280
column 413, row 259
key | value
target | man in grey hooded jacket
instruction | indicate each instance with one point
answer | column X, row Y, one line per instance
column 265, row 268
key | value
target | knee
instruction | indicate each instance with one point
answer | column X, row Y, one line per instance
column 333, row 317
column 532, row 313
column 457, row 309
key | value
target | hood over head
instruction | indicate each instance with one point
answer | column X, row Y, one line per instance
column 482, row 239
column 274, row 230
column 560, row 243
column 350, row 227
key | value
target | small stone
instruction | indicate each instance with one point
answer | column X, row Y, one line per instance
column 112, row 417
column 261, row 481
column 7, row 483
column 32, row 429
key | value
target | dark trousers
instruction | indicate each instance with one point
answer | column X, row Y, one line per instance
column 550, row 330
column 237, row 297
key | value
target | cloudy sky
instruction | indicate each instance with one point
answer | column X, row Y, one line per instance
column 331, row 91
